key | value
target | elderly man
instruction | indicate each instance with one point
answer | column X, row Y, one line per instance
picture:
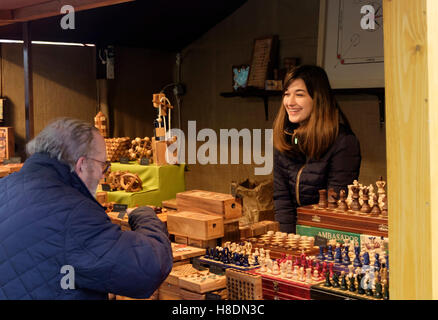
column 56, row 242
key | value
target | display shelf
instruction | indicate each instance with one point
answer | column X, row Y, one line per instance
column 257, row 93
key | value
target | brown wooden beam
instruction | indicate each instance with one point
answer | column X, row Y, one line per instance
column 53, row 8
column 28, row 81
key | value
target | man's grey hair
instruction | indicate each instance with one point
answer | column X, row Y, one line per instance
column 65, row 139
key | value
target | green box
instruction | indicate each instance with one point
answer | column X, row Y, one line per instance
column 329, row 234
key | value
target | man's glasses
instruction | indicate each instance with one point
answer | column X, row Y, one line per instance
column 105, row 165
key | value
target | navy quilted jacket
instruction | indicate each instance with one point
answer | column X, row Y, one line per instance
column 338, row 168
column 49, row 219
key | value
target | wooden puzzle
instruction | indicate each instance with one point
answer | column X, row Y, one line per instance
column 243, row 285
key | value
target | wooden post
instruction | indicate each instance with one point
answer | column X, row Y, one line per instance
column 28, row 81
column 411, row 81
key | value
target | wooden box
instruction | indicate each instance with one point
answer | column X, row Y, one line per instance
column 224, row 205
column 349, row 221
column 195, row 225
column 276, row 288
column 6, row 142
column 231, row 231
column 182, row 252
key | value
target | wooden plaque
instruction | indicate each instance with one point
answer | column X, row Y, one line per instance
column 6, row 142
column 195, row 225
column 349, row 221
column 221, row 204
column 262, row 61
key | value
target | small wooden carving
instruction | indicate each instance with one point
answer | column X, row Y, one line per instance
column 365, row 206
column 131, row 182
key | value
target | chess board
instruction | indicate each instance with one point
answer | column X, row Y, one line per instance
column 350, row 221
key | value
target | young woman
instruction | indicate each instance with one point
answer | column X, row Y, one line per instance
column 314, row 146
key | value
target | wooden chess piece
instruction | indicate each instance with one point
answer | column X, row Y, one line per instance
column 365, row 206
column 385, row 206
column 375, row 210
column 380, row 189
column 355, row 206
column 332, row 199
column 342, row 204
column 322, row 199
column 343, row 285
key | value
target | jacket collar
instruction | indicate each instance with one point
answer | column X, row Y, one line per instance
column 60, row 170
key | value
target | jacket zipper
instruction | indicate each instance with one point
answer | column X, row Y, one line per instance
column 297, row 185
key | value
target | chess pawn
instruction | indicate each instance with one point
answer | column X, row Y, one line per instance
column 302, row 275
column 295, row 274
column 322, row 199
column 315, row 276
column 343, row 285
column 375, row 210
column 342, row 204
column 308, row 275
column 332, row 199
column 365, row 206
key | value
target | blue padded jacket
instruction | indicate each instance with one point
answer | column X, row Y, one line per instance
column 49, row 219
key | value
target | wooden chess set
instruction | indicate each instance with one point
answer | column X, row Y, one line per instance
column 285, row 279
column 361, row 211
column 281, row 244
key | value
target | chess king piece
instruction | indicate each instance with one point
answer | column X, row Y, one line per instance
column 355, row 205
column 322, row 199
column 365, row 206
column 330, row 253
column 342, row 204
column 332, row 199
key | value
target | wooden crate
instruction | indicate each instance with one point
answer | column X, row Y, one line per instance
column 6, row 142
column 345, row 221
column 224, row 205
column 243, row 285
column 231, row 231
column 195, row 225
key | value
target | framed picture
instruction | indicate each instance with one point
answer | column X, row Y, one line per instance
column 350, row 43
column 240, row 76
column 263, row 60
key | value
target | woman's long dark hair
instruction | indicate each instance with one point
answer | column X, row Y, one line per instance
column 318, row 133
